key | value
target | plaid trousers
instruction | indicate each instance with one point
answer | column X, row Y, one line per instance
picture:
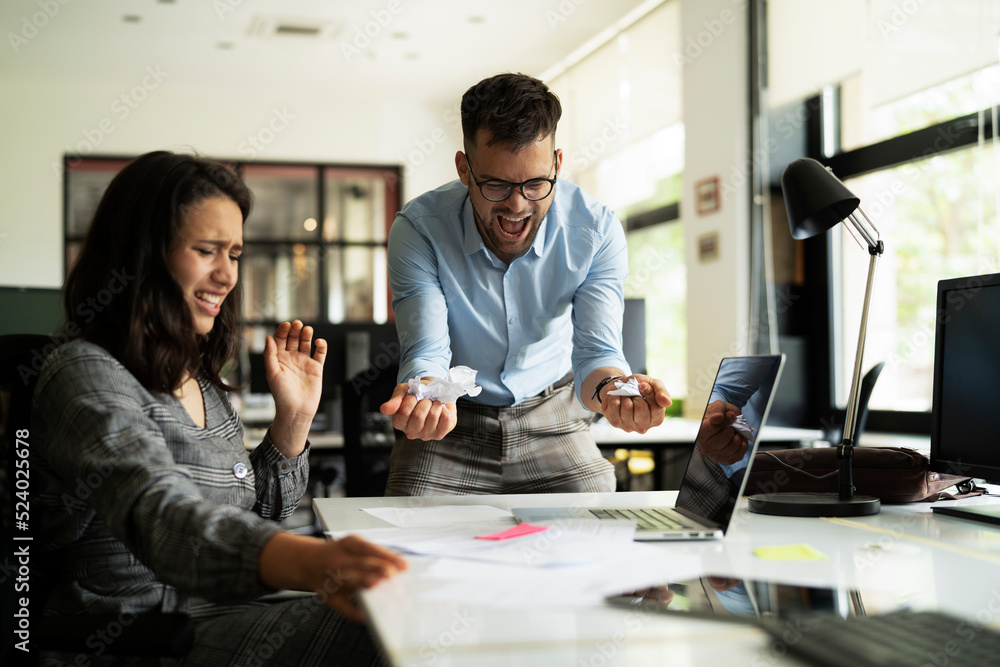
column 542, row 445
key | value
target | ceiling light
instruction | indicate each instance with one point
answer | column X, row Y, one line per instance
column 297, row 30
column 294, row 26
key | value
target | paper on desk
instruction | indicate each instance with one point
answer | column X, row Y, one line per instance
column 566, row 542
column 492, row 584
column 416, row 517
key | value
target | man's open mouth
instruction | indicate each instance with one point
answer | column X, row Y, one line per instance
column 513, row 227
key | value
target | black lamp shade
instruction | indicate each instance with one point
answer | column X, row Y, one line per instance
column 815, row 199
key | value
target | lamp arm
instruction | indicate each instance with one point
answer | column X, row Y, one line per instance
column 867, row 230
column 845, row 451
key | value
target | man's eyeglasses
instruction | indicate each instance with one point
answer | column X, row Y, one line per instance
column 532, row 189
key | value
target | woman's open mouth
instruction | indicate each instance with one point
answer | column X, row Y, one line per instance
column 210, row 303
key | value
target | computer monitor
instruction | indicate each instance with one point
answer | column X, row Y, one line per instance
column 255, row 377
column 359, row 353
column 362, row 366
column 964, row 437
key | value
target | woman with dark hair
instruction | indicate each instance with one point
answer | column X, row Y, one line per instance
column 150, row 499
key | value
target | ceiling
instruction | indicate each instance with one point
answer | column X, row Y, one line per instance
column 427, row 51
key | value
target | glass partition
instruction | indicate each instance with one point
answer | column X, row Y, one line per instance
column 285, row 203
column 314, row 244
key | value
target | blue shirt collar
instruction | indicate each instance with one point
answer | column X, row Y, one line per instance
column 474, row 240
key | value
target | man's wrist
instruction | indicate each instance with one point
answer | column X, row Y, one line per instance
column 603, row 383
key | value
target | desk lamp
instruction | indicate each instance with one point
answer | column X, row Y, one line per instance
column 816, row 200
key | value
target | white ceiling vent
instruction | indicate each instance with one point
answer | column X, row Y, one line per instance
column 294, row 26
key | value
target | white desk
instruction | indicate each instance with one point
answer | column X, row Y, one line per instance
column 904, row 555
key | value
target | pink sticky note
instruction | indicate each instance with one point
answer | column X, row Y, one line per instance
column 519, row 530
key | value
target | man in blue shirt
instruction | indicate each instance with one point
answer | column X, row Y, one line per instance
column 521, row 278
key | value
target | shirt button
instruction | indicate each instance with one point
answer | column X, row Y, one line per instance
column 284, row 466
column 240, row 470
column 512, row 320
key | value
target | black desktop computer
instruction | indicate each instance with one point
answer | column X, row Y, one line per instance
column 358, row 376
column 964, row 434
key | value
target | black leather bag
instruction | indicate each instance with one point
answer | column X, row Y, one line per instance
column 892, row 474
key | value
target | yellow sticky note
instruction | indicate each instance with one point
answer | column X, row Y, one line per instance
column 789, row 552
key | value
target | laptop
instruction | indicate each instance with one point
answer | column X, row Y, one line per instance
column 709, row 489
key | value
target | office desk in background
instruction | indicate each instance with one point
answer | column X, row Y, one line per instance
column 904, row 556
column 671, row 443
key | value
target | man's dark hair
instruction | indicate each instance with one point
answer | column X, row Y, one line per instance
column 142, row 318
column 515, row 109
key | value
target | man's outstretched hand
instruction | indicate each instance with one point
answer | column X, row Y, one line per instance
column 419, row 420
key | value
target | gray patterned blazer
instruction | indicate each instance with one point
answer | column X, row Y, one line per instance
column 141, row 508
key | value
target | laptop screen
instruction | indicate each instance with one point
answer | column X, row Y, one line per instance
column 716, row 472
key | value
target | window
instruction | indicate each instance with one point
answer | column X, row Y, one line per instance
column 911, row 131
column 932, row 218
column 623, row 141
column 964, row 95
column 658, row 274
column 643, row 184
column 280, row 266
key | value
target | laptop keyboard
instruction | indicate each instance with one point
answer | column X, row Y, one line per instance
column 898, row 639
column 646, row 518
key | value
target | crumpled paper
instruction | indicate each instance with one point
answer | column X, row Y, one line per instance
column 460, row 381
column 741, row 426
column 629, row 388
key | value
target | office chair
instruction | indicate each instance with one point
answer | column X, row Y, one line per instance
column 836, row 435
column 867, row 386
column 368, row 435
column 148, row 634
